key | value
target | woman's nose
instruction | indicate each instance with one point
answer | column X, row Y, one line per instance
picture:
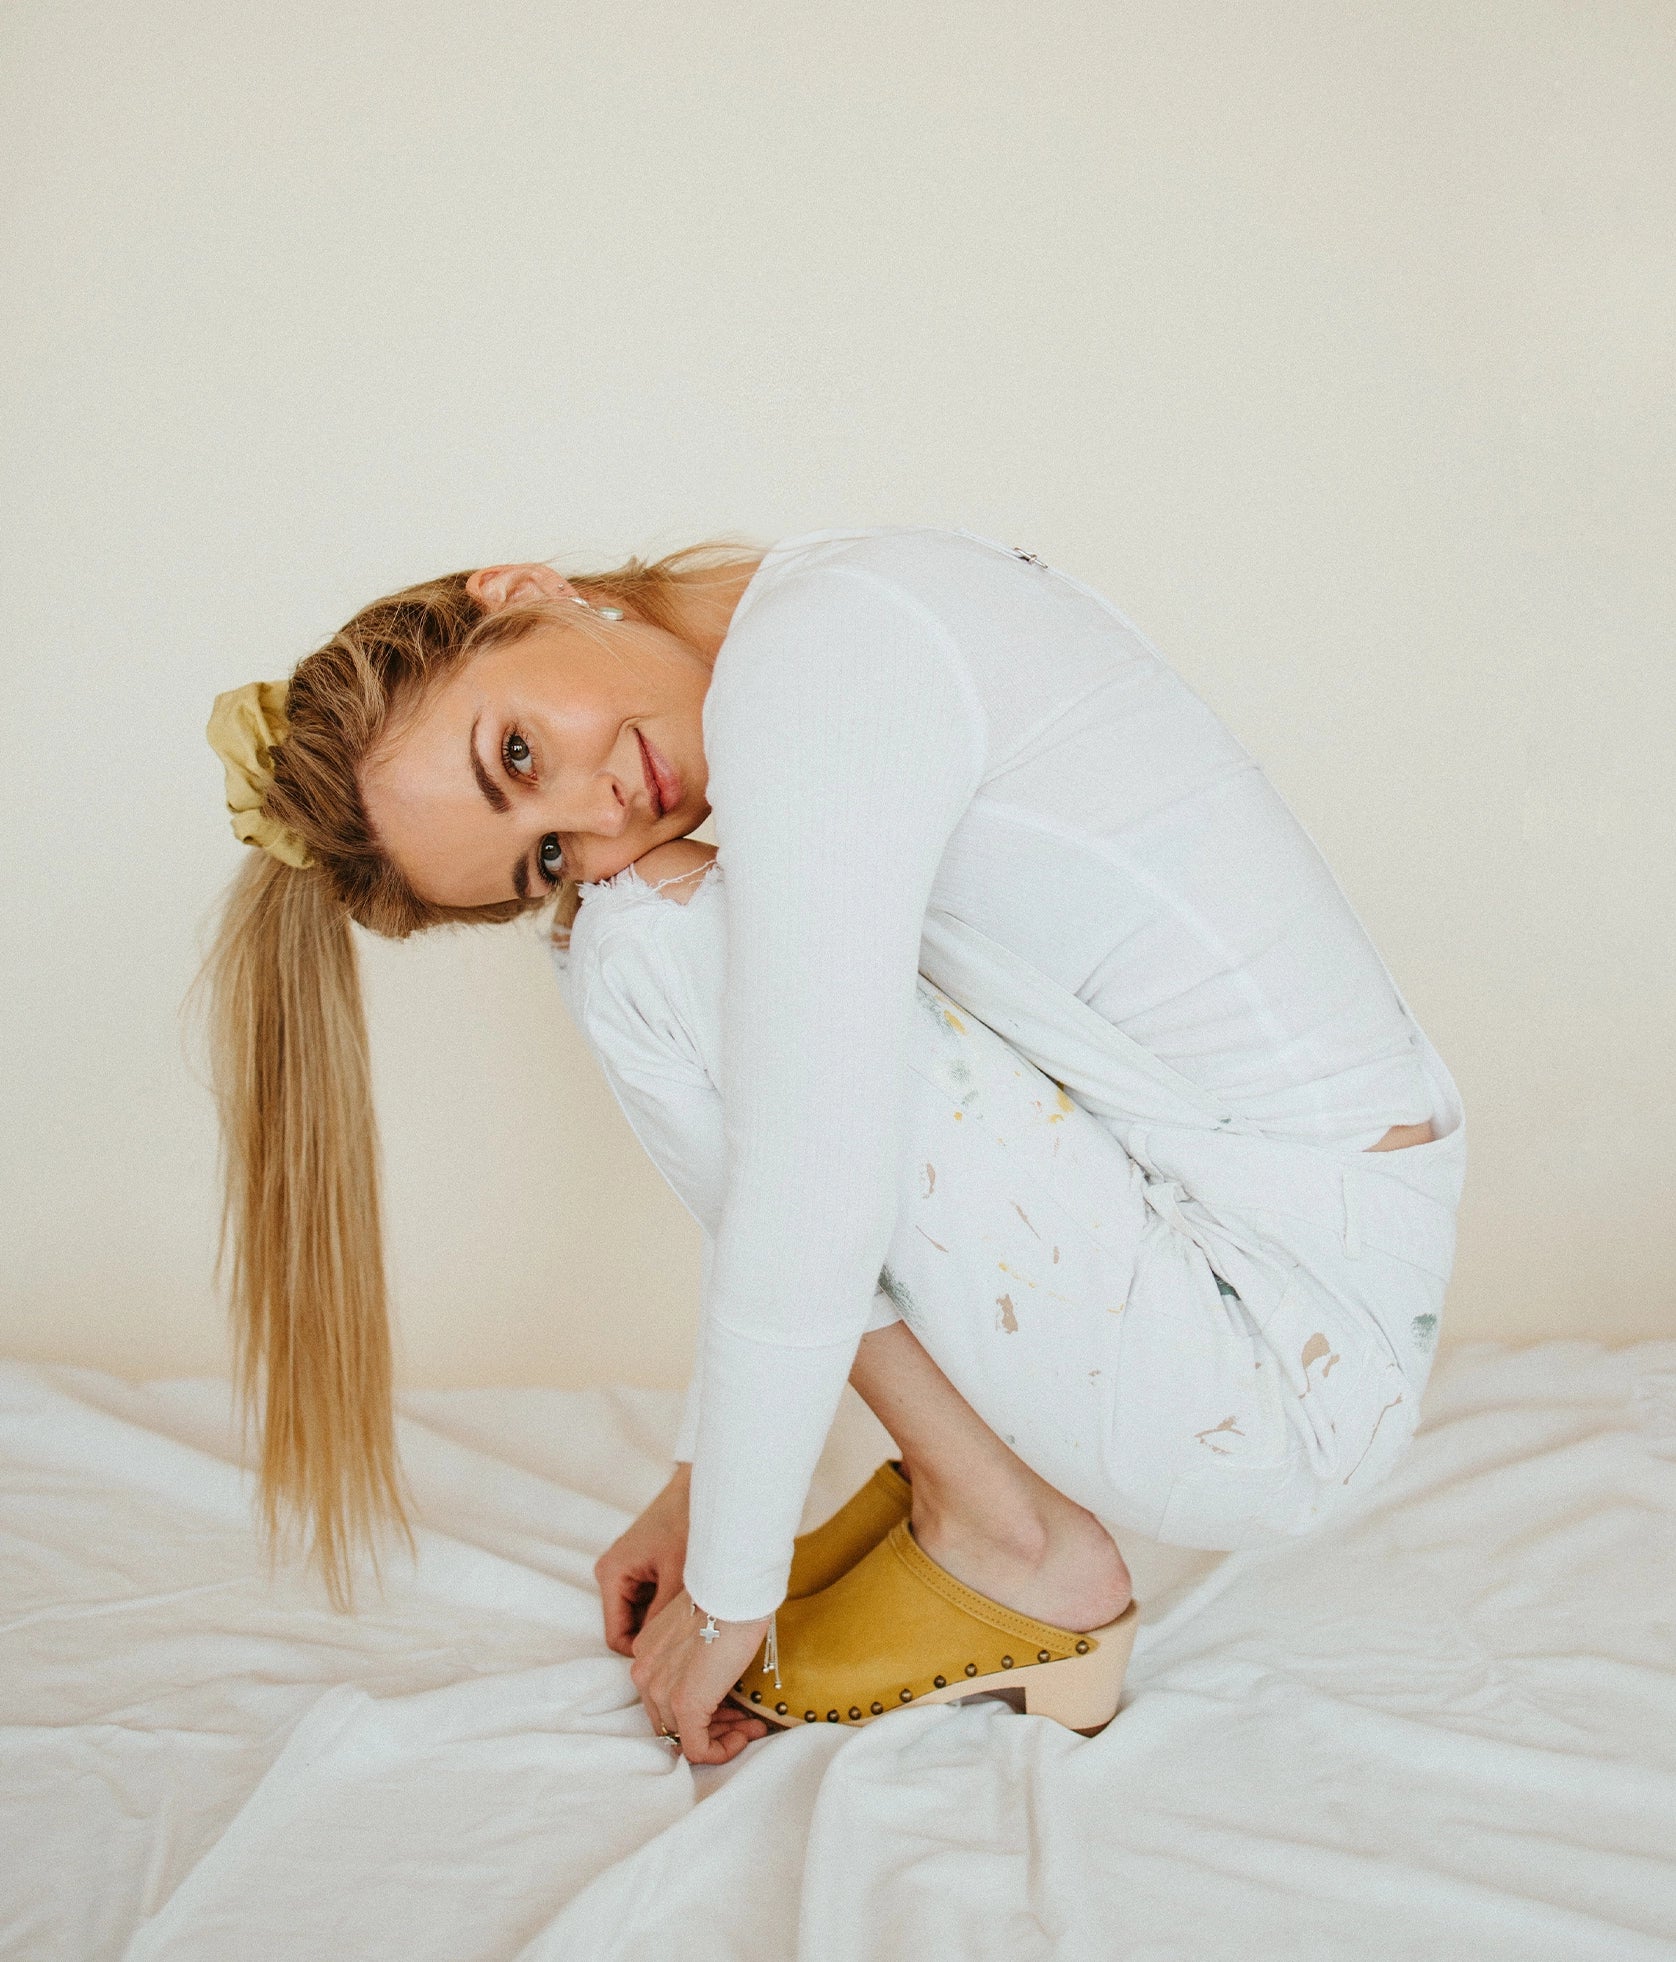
column 605, row 812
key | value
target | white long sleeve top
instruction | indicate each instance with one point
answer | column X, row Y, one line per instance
column 900, row 717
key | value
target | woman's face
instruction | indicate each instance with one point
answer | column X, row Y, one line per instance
column 568, row 753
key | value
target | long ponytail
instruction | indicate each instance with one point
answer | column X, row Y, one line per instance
column 301, row 1253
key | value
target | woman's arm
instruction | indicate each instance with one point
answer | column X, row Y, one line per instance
column 763, row 1068
column 645, row 980
column 844, row 742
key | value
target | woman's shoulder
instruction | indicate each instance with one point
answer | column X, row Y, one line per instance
column 903, row 555
column 870, row 616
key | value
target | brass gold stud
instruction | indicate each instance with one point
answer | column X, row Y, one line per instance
column 808, row 1716
column 971, row 1669
column 779, row 1709
column 854, row 1712
column 878, row 1709
column 942, row 1682
column 756, row 1696
column 1006, row 1662
column 1082, row 1648
column 1041, row 1655
column 907, row 1696
column 832, row 1716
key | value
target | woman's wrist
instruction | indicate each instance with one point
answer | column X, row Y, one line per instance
column 767, row 1626
column 731, row 1621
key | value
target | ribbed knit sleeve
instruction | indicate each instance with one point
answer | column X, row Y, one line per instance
column 844, row 742
column 643, row 977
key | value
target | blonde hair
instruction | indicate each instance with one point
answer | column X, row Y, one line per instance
column 301, row 1250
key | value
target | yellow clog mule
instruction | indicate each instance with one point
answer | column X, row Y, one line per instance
column 896, row 1630
column 832, row 1548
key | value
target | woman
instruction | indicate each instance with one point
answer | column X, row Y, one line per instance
column 1197, row 1298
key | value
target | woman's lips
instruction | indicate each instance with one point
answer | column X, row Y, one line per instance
column 661, row 781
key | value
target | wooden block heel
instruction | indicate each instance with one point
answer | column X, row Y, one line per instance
column 1083, row 1691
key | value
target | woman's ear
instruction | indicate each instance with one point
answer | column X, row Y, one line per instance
column 495, row 586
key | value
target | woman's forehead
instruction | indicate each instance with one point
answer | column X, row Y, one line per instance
column 475, row 687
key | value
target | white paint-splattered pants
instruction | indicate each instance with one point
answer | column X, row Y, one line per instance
column 1062, row 1283
column 1202, row 1334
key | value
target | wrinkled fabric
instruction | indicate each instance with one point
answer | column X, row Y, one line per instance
column 1443, row 1728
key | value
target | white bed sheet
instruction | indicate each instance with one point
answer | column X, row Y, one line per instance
column 1445, row 1729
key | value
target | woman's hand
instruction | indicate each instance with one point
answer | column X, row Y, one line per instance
column 682, row 1680
column 641, row 1569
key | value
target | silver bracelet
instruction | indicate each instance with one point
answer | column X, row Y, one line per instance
column 771, row 1654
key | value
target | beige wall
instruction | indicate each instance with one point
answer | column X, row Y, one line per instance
column 1333, row 341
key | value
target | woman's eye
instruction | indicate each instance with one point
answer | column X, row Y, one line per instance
column 551, row 859
column 517, row 753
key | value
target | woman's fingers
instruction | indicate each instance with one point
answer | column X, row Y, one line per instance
column 651, row 1676
column 721, row 1740
column 624, row 1596
column 731, row 1730
column 636, row 1577
column 693, row 1724
column 635, row 1606
column 711, row 1732
column 683, row 1682
column 657, row 1713
column 635, row 1572
column 644, row 1679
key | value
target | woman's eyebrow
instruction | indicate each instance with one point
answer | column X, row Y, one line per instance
column 498, row 799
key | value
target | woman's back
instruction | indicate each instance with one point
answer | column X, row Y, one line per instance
column 1120, row 838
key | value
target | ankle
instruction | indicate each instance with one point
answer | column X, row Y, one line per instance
column 1068, row 1572
column 1007, row 1520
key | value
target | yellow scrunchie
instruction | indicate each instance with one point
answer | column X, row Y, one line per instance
column 245, row 725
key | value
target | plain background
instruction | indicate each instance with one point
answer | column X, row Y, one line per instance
column 1332, row 341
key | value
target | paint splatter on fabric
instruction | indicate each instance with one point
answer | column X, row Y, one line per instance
column 1227, row 1426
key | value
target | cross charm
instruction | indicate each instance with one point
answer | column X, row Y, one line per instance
column 709, row 1631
